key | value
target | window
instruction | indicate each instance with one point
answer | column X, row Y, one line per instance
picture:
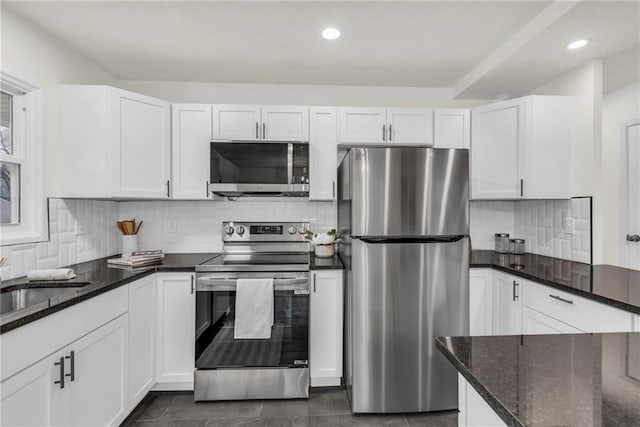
column 22, row 204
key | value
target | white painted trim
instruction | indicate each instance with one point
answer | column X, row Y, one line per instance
column 29, row 150
column 624, row 202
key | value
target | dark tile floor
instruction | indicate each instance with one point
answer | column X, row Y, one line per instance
column 325, row 407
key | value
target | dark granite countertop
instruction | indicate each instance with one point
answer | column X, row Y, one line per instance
column 101, row 278
column 615, row 286
column 330, row 263
column 545, row 380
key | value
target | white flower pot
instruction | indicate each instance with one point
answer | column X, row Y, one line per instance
column 325, row 251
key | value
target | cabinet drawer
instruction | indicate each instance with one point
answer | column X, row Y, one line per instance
column 576, row 311
column 29, row 343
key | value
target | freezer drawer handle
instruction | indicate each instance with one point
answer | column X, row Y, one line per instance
column 568, row 301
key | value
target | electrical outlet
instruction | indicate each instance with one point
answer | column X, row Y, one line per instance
column 171, row 226
column 81, row 227
column 569, row 225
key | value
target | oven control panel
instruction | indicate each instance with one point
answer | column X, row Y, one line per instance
column 233, row 231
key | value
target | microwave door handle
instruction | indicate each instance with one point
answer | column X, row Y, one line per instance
column 290, row 163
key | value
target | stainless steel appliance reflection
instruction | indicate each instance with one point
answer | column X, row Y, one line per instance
column 403, row 215
column 273, row 368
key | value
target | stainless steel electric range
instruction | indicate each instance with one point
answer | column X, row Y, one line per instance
column 272, row 368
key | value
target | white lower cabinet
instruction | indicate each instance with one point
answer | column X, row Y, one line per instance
column 474, row 410
column 507, row 309
column 325, row 328
column 175, row 362
column 480, row 302
column 536, row 323
column 83, row 384
column 142, row 338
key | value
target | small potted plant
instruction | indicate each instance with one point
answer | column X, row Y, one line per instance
column 323, row 243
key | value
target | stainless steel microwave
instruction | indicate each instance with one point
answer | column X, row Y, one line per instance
column 259, row 169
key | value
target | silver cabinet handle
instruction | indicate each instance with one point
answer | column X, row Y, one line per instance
column 384, row 132
column 390, row 134
column 264, row 131
column 633, row 238
column 333, row 184
column 72, row 365
column 568, row 301
column 206, row 190
column 515, row 286
column 168, row 188
column 314, row 282
column 60, row 363
column 522, row 188
column 257, row 130
column 193, row 285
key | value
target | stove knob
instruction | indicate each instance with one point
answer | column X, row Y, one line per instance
column 239, row 230
column 292, row 229
column 302, row 229
column 228, row 229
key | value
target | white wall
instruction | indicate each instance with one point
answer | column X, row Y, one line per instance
column 585, row 85
column 619, row 106
column 282, row 94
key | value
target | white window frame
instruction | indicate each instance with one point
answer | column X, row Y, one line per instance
column 28, row 152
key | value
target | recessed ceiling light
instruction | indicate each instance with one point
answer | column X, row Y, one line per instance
column 331, row 33
column 577, row 44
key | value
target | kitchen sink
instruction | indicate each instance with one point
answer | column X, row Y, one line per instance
column 25, row 297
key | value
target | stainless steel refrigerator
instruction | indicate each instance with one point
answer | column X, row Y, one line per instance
column 403, row 215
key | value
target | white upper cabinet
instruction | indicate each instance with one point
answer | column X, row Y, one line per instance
column 260, row 123
column 285, row 123
column 237, row 122
column 362, row 125
column 110, row 143
column 451, row 128
column 191, row 137
column 410, row 126
column 521, row 148
column 141, row 145
column 322, row 153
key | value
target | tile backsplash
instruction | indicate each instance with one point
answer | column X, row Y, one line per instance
column 540, row 222
column 80, row 230
column 196, row 226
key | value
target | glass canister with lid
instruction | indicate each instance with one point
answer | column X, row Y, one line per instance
column 516, row 246
column 501, row 245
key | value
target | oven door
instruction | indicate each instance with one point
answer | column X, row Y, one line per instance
column 215, row 346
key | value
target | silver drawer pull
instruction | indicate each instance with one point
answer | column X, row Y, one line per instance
column 568, row 301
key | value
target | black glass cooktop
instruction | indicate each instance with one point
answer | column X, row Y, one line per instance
column 252, row 261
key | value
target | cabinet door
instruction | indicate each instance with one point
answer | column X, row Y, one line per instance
column 30, row 398
column 142, row 338
column 191, row 138
column 325, row 335
column 323, row 153
column 480, row 302
column 536, row 323
column 451, row 128
column 507, row 310
column 285, row 123
column 410, row 126
column 362, row 125
column 498, row 130
column 176, row 331
column 97, row 392
column 141, row 157
column 236, row 122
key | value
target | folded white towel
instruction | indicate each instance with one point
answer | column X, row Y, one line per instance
column 51, row 274
column 254, row 309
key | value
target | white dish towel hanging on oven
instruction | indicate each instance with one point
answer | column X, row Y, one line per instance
column 254, row 309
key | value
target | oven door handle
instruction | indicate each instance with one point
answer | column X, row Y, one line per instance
column 218, row 284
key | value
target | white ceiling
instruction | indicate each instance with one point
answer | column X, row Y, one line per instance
column 422, row 44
